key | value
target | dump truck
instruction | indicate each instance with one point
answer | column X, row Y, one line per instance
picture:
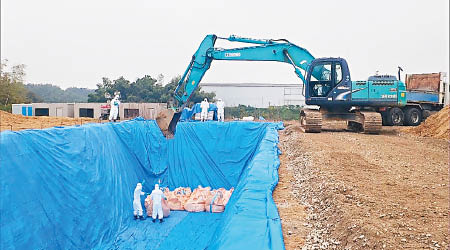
column 425, row 94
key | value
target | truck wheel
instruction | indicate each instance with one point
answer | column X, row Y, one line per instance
column 413, row 116
column 395, row 117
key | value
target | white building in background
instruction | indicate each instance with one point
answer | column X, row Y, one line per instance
column 91, row 110
column 261, row 95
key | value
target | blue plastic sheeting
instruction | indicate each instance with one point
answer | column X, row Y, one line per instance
column 187, row 113
column 183, row 237
column 180, row 231
column 72, row 187
column 148, row 235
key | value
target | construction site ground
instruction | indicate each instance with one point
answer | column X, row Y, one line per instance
column 346, row 190
column 14, row 122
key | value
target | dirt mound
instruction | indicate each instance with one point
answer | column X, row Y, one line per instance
column 436, row 126
column 14, row 122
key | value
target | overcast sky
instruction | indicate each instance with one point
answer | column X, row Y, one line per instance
column 76, row 43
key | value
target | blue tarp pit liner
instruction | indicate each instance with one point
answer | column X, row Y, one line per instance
column 72, row 187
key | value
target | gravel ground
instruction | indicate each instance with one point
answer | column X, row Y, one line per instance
column 343, row 190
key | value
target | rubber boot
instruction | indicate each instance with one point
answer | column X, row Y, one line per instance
column 154, row 220
column 161, row 220
column 135, row 217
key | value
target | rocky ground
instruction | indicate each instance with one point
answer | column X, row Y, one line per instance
column 344, row 190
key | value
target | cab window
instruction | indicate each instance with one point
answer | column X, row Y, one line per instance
column 320, row 81
column 321, row 72
column 338, row 73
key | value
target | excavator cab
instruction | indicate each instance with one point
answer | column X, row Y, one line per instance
column 326, row 79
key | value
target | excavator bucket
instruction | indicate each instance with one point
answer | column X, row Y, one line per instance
column 167, row 120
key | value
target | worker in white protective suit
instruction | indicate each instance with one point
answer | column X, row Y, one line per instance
column 114, row 108
column 156, row 197
column 204, row 105
column 137, row 206
column 220, row 110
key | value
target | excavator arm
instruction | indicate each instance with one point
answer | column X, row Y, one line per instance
column 280, row 50
column 266, row 50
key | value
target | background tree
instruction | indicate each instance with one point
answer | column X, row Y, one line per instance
column 102, row 88
column 145, row 89
column 197, row 96
column 51, row 93
column 32, row 97
column 11, row 85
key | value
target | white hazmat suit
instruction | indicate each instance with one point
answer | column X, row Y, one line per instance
column 137, row 206
column 114, row 108
column 220, row 110
column 204, row 105
column 156, row 197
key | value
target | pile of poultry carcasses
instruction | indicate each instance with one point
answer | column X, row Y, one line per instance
column 200, row 200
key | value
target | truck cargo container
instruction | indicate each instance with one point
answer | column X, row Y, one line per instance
column 425, row 94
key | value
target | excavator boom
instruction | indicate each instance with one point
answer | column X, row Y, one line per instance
column 280, row 50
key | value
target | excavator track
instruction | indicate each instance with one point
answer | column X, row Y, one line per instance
column 310, row 121
column 372, row 123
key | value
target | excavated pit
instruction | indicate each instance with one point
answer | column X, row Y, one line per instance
column 72, row 187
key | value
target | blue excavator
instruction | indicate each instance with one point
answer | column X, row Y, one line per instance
column 329, row 92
